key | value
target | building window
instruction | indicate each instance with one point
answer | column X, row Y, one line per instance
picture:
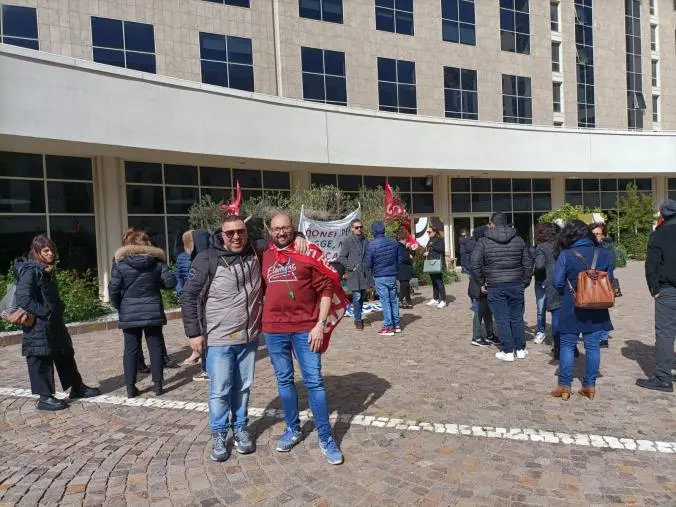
column 554, row 15
column 656, row 109
column 395, row 16
column 416, row 192
column 556, row 57
column 159, row 196
column 517, row 106
column 396, row 86
column 558, row 124
column 324, row 76
column 584, row 47
column 322, row 10
column 556, row 96
column 635, row 100
column 226, row 61
column 522, row 199
column 603, row 193
column 32, row 201
column 458, row 21
column 653, row 37
column 126, row 44
column 460, row 93
column 654, row 68
column 19, row 26
column 515, row 26
column 236, row 3
column 652, row 8
column 672, row 181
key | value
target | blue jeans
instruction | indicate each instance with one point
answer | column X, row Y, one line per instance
column 231, row 372
column 540, row 299
column 357, row 303
column 280, row 347
column 507, row 305
column 556, row 336
column 386, row 287
column 592, row 358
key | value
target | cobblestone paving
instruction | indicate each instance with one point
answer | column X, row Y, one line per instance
column 100, row 453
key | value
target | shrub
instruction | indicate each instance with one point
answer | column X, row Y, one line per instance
column 569, row 212
column 79, row 293
column 635, row 244
column 622, row 256
column 633, row 222
column 170, row 299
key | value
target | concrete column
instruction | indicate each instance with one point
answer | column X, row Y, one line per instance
column 300, row 180
column 558, row 191
column 111, row 214
column 442, row 201
column 660, row 190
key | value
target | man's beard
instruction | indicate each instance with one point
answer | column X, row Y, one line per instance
column 279, row 243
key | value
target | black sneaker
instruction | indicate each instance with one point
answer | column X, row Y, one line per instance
column 493, row 339
column 655, row 384
column 480, row 342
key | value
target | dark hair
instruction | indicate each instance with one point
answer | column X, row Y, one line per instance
column 599, row 225
column 355, row 221
column 546, row 233
column 232, row 218
column 38, row 243
column 402, row 234
column 500, row 220
column 135, row 237
column 479, row 232
column 573, row 231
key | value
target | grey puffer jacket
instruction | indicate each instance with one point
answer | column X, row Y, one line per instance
column 502, row 258
column 545, row 262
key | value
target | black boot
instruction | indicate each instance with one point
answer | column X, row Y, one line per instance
column 143, row 368
column 132, row 391
column 170, row 363
column 157, row 388
column 83, row 391
column 50, row 403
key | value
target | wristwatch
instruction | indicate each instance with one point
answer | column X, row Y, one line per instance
column 322, row 322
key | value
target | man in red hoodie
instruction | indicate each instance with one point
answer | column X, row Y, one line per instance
column 296, row 313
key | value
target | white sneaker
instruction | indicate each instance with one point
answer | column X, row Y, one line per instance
column 502, row 356
column 442, row 304
column 539, row 338
column 521, row 354
column 432, row 302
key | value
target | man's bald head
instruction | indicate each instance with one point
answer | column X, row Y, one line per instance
column 281, row 230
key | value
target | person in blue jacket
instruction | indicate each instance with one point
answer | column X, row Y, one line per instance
column 577, row 240
column 383, row 257
column 184, row 261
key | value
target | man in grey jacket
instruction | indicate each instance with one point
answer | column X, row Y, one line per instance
column 502, row 264
column 352, row 255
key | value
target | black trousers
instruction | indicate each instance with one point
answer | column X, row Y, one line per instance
column 484, row 314
column 132, row 345
column 141, row 362
column 41, row 372
column 405, row 291
column 438, row 288
column 665, row 331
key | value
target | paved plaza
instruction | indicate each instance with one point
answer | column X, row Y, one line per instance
column 423, row 418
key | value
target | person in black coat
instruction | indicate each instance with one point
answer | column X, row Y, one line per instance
column 436, row 250
column 139, row 273
column 46, row 343
column 404, row 270
column 479, row 297
column 462, row 242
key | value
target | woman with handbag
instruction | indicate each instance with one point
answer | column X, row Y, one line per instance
column 404, row 270
column 139, row 274
column 580, row 256
column 46, row 343
column 435, row 265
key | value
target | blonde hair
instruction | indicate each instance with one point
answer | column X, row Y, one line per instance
column 188, row 243
column 135, row 237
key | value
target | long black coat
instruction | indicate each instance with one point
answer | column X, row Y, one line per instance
column 139, row 274
column 38, row 294
column 405, row 267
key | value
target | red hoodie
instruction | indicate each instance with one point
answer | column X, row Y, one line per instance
column 293, row 291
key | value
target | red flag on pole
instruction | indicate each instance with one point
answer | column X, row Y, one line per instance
column 395, row 210
column 234, row 206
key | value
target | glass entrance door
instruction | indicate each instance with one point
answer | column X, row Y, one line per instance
column 467, row 224
column 478, row 221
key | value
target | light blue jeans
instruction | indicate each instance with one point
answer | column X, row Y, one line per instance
column 358, row 304
column 231, row 372
column 386, row 287
column 280, row 348
column 540, row 299
column 592, row 358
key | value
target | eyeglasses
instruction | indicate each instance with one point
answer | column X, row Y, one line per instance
column 286, row 228
column 357, row 227
column 231, row 233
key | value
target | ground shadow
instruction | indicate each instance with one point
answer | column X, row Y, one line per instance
column 408, row 318
column 349, row 394
column 643, row 354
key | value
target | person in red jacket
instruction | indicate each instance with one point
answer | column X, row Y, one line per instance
column 300, row 310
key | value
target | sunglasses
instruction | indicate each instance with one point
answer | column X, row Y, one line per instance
column 357, row 227
column 231, row 233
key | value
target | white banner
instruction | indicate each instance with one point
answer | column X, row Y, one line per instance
column 328, row 236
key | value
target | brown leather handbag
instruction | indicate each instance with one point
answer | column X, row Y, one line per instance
column 594, row 289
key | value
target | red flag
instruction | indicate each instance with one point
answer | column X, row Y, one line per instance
column 395, row 210
column 660, row 222
column 234, row 206
column 315, row 257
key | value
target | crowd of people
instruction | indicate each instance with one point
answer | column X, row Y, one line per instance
column 222, row 280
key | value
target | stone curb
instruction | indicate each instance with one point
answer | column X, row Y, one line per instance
column 76, row 328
